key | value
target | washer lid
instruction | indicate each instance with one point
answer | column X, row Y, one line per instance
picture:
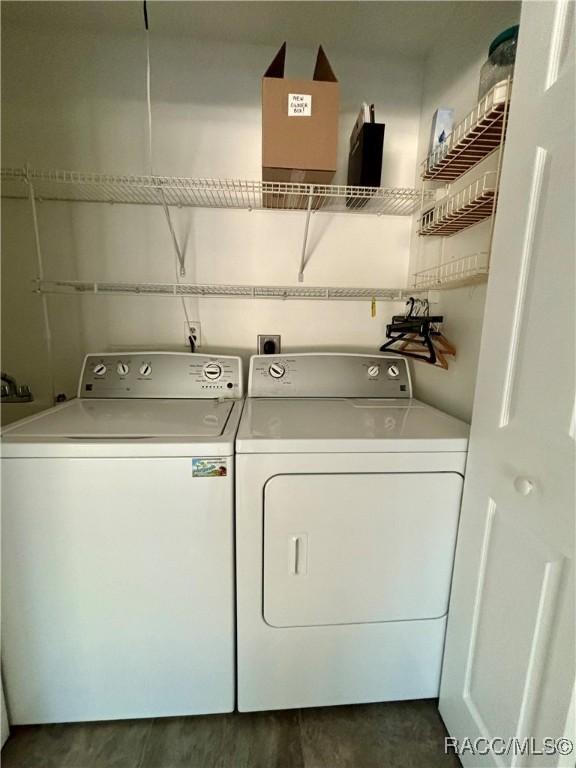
column 341, row 425
column 134, row 427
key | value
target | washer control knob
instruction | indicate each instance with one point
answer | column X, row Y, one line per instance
column 373, row 371
column 277, row 370
column 393, row 371
column 145, row 369
column 99, row 369
column 212, row 371
column 122, row 369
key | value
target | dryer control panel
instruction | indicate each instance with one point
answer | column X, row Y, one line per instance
column 326, row 374
column 161, row 374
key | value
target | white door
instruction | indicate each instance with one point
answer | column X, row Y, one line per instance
column 4, row 727
column 509, row 663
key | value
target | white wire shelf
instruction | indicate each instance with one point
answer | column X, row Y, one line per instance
column 471, row 205
column 78, row 287
column 71, row 186
column 480, row 133
column 467, row 270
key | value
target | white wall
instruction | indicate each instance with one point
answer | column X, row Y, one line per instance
column 25, row 353
column 84, row 109
column 452, row 74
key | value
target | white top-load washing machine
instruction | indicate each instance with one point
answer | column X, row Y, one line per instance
column 347, row 504
column 117, row 543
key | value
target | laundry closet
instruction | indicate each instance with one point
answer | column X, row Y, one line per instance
column 85, row 111
column 135, row 221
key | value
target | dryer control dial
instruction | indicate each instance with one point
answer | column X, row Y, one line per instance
column 145, row 369
column 122, row 369
column 393, row 371
column 99, row 369
column 212, row 371
column 276, row 370
column 373, row 371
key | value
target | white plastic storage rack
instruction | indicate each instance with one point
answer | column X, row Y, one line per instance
column 481, row 132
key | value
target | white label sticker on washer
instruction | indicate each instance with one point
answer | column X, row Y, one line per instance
column 212, row 467
column 299, row 105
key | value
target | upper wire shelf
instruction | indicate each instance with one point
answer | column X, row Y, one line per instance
column 72, row 186
column 471, row 205
column 480, row 133
column 78, row 287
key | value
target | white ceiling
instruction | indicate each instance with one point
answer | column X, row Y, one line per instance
column 398, row 26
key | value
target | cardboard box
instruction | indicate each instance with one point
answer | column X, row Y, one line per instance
column 300, row 123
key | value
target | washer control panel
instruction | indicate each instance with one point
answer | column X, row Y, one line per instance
column 160, row 374
column 310, row 374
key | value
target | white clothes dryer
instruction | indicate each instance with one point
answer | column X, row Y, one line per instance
column 117, row 543
column 347, row 504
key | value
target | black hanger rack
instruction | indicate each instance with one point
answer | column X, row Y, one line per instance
column 415, row 329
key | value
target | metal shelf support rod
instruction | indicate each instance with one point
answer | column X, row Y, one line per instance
column 40, row 273
column 305, row 241
column 179, row 254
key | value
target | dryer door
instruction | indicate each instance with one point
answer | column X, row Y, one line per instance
column 356, row 548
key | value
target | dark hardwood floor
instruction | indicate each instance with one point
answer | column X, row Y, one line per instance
column 407, row 734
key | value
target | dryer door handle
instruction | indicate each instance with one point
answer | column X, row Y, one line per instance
column 298, row 554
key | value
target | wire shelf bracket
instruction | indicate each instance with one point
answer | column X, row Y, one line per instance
column 40, row 276
column 303, row 259
column 180, row 257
